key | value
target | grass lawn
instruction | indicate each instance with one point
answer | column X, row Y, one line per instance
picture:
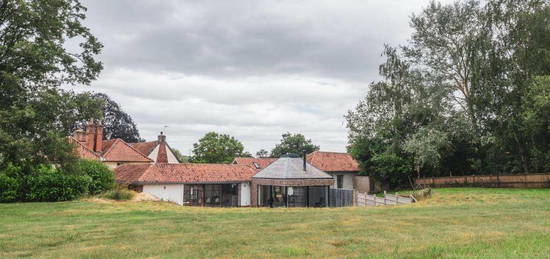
column 454, row 223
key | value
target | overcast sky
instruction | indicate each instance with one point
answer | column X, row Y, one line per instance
column 251, row 69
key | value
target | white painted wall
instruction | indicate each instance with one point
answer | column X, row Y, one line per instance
column 166, row 192
column 348, row 180
column 171, row 157
column 245, row 194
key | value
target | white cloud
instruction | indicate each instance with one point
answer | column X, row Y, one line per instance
column 252, row 69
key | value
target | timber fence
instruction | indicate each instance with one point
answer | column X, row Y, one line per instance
column 496, row 181
column 365, row 199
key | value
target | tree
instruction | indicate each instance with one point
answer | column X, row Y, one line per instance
column 262, row 153
column 426, row 147
column 293, row 144
column 217, row 148
column 35, row 114
column 181, row 158
column 458, row 96
column 117, row 123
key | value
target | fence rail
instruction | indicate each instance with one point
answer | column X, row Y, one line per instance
column 364, row 199
column 498, row 181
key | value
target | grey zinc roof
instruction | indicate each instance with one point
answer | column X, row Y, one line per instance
column 290, row 168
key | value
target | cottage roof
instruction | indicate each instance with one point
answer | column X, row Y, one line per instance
column 183, row 173
column 333, row 161
column 116, row 150
column 291, row 168
column 255, row 163
column 145, row 147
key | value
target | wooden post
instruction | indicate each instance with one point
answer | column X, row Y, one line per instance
column 384, row 197
column 286, row 196
column 307, row 196
column 203, row 195
column 328, row 196
column 396, row 199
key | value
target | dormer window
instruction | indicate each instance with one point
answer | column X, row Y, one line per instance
column 256, row 165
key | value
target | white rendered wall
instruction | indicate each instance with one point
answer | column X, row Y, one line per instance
column 348, row 180
column 245, row 194
column 171, row 157
column 167, row 192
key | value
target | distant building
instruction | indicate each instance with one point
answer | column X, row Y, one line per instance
column 159, row 151
column 341, row 166
column 115, row 152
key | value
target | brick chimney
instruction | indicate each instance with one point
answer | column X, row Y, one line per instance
column 94, row 136
column 98, row 137
column 80, row 136
column 90, row 135
column 162, row 156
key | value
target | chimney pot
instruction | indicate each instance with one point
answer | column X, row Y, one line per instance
column 162, row 137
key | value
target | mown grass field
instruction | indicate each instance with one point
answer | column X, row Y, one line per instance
column 454, row 223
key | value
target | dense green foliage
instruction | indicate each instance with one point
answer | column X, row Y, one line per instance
column 217, row 148
column 116, row 123
column 35, row 114
column 48, row 183
column 102, row 178
column 293, row 144
column 468, row 94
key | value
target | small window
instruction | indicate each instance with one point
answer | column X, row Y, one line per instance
column 339, row 181
column 256, row 165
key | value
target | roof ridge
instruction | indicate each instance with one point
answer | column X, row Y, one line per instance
column 118, row 140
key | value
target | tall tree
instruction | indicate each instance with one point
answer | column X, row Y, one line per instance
column 217, row 148
column 468, row 75
column 117, row 123
column 35, row 114
column 293, row 144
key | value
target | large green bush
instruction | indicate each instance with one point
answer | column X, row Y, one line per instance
column 9, row 183
column 102, row 177
column 49, row 184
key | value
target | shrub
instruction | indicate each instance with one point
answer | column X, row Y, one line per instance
column 120, row 193
column 10, row 183
column 9, row 187
column 102, row 177
column 422, row 194
column 49, row 184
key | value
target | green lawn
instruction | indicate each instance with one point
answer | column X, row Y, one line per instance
column 454, row 223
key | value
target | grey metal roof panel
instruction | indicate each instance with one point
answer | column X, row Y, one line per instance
column 291, row 168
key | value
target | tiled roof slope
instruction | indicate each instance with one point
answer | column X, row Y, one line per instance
column 116, row 150
column 333, row 162
column 183, row 173
column 83, row 151
column 249, row 161
column 145, row 147
column 291, row 168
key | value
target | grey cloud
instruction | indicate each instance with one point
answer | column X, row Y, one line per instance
column 252, row 69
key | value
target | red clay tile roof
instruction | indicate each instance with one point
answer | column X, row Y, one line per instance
column 145, row 147
column 249, row 161
column 183, row 173
column 333, row 162
column 116, row 150
column 83, row 151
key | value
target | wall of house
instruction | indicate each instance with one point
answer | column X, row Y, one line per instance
column 166, row 192
column 348, row 180
column 245, row 194
column 171, row 157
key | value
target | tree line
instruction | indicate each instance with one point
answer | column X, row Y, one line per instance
column 469, row 93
